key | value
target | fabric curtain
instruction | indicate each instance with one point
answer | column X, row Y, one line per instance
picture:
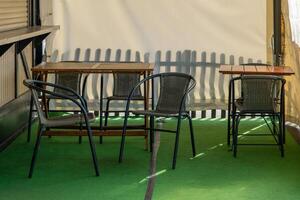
column 292, row 59
column 220, row 26
column 188, row 36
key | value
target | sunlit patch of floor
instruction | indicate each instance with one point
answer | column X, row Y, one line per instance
column 200, row 155
column 153, row 175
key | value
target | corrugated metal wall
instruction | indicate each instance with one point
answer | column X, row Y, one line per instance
column 7, row 76
column 14, row 106
column 13, row 14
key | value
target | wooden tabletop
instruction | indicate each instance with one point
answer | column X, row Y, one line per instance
column 256, row 70
column 93, row 67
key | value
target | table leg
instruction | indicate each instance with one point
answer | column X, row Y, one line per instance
column 229, row 114
column 44, row 78
column 283, row 117
column 29, row 119
column 146, row 107
column 101, row 108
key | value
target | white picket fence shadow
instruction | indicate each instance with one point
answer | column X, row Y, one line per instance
column 209, row 98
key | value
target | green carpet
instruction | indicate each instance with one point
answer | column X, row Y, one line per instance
column 64, row 168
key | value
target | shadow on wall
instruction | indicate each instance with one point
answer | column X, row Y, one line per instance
column 210, row 92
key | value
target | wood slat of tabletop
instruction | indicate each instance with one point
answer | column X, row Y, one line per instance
column 261, row 69
column 237, row 69
column 225, row 68
column 93, row 67
column 250, row 69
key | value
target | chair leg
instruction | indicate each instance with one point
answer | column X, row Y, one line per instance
column 151, row 132
column 233, row 116
column 92, row 145
column 176, row 142
column 80, row 137
column 228, row 128
column 105, row 119
column 235, row 136
column 123, row 138
column 106, row 112
column 29, row 120
column 229, row 116
column 35, row 151
column 47, row 106
column 100, row 139
column 281, row 141
column 273, row 124
column 192, row 136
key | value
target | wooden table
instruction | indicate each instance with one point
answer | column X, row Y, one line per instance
column 253, row 70
column 144, row 69
column 256, row 70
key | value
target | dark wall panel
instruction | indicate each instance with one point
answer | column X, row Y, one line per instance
column 13, row 118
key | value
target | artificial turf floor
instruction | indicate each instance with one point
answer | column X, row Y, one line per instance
column 64, row 168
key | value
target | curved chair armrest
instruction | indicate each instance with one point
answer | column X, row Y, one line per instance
column 84, row 84
column 81, row 104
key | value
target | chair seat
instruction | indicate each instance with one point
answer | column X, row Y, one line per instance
column 243, row 110
column 157, row 113
column 68, row 120
column 56, row 97
column 125, row 98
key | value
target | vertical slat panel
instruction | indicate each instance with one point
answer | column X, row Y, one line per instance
column 193, row 71
column 7, row 76
column 186, row 60
column 168, row 61
column 147, row 57
column 105, row 76
column 128, row 55
column 156, row 70
column 94, row 78
column 137, row 56
column 118, row 55
column 87, row 55
column 87, row 58
column 178, row 61
column 77, row 54
column 202, row 81
column 222, row 86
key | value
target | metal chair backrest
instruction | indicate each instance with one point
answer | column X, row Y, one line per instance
column 70, row 80
column 173, row 90
column 261, row 93
column 124, row 83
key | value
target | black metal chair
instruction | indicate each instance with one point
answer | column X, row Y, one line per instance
column 43, row 89
column 263, row 96
column 230, row 102
column 173, row 90
column 122, row 85
column 70, row 80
